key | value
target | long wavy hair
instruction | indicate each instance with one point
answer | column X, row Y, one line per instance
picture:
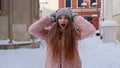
column 55, row 36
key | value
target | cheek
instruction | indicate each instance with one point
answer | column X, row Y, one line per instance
column 66, row 22
column 59, row 24
column 59, row 21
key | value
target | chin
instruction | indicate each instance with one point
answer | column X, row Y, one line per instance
column 63, row 28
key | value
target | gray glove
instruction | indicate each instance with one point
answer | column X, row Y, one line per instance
column 53, row 17
column 73, row 16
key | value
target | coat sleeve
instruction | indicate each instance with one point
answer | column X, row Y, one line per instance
column 83, row 28
column 38, row 30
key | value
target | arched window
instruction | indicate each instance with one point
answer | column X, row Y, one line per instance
column 68, row 3
column 80, row 3
column 91, row 2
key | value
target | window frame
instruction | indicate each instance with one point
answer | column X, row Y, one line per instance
column 81, row 3
column 4, row 8
column 90, row 4
column 66, row 3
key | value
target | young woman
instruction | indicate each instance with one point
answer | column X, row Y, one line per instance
column 62, row 37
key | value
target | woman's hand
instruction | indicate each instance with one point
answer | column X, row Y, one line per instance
column 52, row 16
column 74, row 16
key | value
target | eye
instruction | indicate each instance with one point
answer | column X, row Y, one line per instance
column 66, row 17
column 60, row 18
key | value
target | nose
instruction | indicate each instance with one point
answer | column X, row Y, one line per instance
column 63, row 19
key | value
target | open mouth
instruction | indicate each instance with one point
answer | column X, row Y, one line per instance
column 63, row 24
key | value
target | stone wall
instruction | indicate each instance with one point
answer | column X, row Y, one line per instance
column 16, row 17
column 4, row 20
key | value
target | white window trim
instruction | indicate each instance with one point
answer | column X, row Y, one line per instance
column 65, row 4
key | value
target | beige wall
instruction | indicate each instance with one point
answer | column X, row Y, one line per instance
column 16, row 17
column 3, row 27
column 116, row 15
column 48, row 7
column 117, row 19
column 116, row 7
column 4, row 20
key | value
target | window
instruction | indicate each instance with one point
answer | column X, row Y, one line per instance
column 80, row 3
column 91, row 2
column 67, row 3
column 88, row 18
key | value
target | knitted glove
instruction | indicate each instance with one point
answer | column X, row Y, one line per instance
column 74, row 16
column 52, row 17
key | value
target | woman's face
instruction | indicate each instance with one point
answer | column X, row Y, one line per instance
column 63, row 21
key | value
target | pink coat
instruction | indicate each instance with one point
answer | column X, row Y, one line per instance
column 38, row 30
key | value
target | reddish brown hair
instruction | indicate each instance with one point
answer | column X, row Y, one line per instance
column 69, row 47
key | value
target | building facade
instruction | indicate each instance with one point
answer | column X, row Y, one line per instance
column 15, row 18
column 89, row 9
column 111, row 11
column 93, row 10
column 116, row 15
column 48, row 6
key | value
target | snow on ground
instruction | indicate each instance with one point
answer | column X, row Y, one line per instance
column 22, row 58
column 93, row 52
column 96, row 54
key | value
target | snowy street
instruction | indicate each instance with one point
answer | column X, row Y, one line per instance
column 93, row 52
